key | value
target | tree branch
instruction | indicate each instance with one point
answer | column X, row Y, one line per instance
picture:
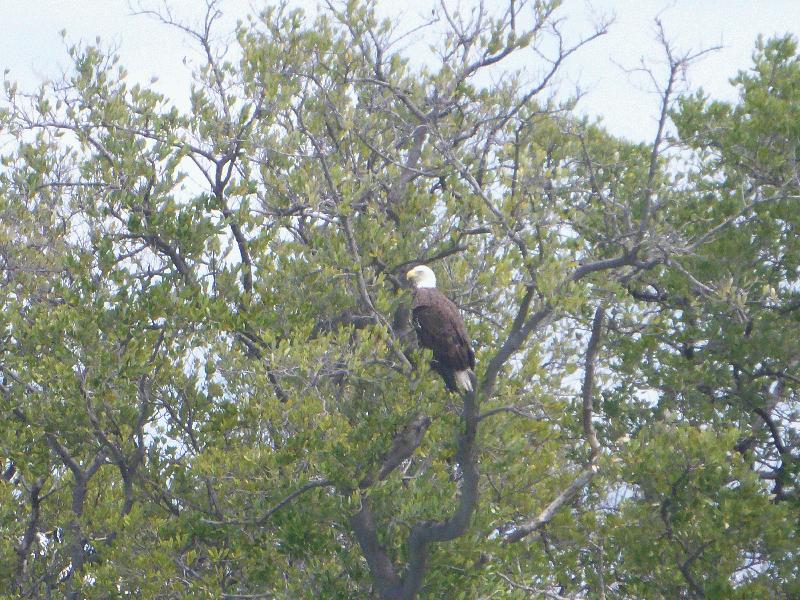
column 380, row 565
column 403, row 446
column 588, row 385
column 520, row 531
column 24, row 548
column 282, row 504
column 544, row 517
column 364, row 293
column 423, row 534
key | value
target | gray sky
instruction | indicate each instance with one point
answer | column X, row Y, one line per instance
column 32, row 49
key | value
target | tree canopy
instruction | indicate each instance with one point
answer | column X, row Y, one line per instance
column 210, row 385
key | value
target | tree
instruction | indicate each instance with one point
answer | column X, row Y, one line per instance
column 209, row 380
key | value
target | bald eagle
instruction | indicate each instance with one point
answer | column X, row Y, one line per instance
column 440, row 328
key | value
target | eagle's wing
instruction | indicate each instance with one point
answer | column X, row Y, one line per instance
column 440, row 327
column 461, row 339
column 427, row 322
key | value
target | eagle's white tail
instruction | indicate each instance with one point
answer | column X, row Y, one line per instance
column 463, row 380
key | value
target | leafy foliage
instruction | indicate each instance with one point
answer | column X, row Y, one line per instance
column 210, row 386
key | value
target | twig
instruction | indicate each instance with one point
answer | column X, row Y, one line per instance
column 509, row 409
column 265, row 517
column 538, row 592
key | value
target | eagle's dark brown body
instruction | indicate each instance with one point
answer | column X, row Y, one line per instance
column 440, row 328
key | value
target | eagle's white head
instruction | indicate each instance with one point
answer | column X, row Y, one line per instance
column 421, row 277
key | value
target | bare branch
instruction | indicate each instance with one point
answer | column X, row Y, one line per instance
column 520, row 531
column 409, row 169
column 24, row 548
column 588, row 385
column 539, row 593
column 521, row 329
column 316, row 483
column 403, row 446
column 501, row 409
column 544, row 517
column 677, row 65
column 65, row 456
